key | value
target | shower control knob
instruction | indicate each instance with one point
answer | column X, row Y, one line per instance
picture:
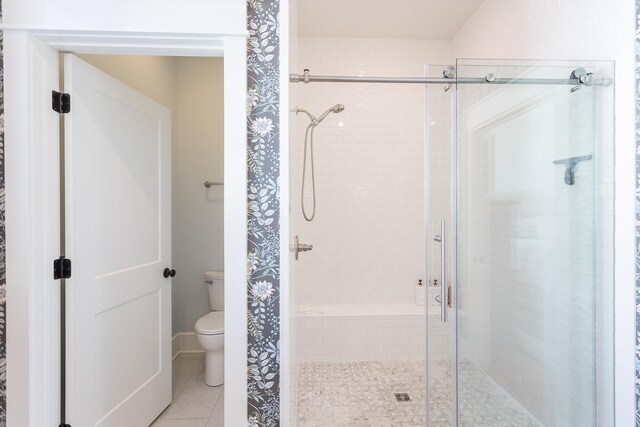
column 300, row 247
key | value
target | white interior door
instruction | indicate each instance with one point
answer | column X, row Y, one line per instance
column 118, row 236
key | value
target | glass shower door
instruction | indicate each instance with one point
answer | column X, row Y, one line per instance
column 440, row 318
column 534, row 280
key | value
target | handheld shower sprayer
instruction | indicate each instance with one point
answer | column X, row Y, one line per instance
column 308, row 142
column 338, row 108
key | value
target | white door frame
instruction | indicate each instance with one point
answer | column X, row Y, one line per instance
column 32, row 203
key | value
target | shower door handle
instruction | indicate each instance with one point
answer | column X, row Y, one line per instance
column 444, row 315
column 444, row 297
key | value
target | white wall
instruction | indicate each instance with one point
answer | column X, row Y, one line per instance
column 368, row 243
column 580, row 30
column 193, row 89
column 197, row 211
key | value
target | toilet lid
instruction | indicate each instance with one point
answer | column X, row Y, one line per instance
column 211, row 323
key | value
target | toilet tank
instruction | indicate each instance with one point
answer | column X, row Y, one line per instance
column 215, row 284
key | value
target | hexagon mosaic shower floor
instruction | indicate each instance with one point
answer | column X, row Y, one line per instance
column 363, row 394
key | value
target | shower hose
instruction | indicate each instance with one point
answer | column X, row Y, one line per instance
column 308, row 142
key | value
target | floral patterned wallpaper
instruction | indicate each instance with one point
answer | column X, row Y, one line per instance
column 638, row 213
column 3, row 253
column 263, row 198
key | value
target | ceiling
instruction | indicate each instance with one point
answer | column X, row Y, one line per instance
column 398, row 19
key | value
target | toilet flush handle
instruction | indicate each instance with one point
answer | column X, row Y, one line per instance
column 209, row 281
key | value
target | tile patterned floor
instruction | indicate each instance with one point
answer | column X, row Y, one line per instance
column 194, row 404
column 362, row 394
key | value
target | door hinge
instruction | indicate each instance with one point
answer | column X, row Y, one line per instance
column 60, row 102
column 61, row 268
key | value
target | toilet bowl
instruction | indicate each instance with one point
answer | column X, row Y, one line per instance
column 209, row 330
column 210, row 333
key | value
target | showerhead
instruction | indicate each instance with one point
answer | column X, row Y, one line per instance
column 338, row 108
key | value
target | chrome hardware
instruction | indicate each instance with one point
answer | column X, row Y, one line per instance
column 449, row 72
column 585, row 79
column 579, row 74
column 208, row 184
column 300, row 247
column 443, row 298
column 310, row 78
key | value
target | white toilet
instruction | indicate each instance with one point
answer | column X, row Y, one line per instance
column 210, row 330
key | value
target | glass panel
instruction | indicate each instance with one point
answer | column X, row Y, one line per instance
column 440, row 334
column 533, row 284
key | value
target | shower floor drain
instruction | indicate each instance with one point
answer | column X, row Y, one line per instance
column 402, row 397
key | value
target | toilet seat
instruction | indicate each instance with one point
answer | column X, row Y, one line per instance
column 211, row 323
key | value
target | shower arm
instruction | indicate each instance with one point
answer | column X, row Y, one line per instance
column 313, row 118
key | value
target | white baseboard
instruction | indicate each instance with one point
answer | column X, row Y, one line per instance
column 185, row 342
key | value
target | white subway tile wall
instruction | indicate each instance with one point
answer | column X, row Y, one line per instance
column 350, row 333
column 368, row 234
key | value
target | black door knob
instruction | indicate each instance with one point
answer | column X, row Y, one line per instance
column 172, row 273
column 169, row 273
